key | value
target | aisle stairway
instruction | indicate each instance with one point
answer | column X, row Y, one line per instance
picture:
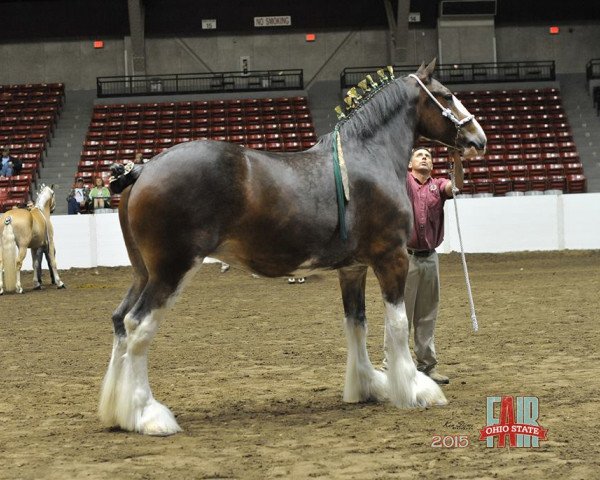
column 585, row 125
column 65, row 150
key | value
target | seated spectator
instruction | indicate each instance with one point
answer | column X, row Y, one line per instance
column 10, row 165
column 100, row 194
column 78, row 198
column 139, row 159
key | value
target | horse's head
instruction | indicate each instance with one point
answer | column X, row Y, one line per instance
column 443, row 118
column 46, row 197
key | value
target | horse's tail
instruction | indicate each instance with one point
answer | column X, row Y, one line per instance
column 123, row 175
column 9, row 255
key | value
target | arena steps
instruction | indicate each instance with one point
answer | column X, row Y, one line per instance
column 63, row 153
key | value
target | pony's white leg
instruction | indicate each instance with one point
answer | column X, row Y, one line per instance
column 20, row 258
column 363, row 382
column 36, row 263
column 52, row 255
column 407, row 386
column 1, row 272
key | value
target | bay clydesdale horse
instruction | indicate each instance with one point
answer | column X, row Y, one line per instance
column 276, row 214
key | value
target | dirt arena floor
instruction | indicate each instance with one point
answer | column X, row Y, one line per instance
column 253, row 369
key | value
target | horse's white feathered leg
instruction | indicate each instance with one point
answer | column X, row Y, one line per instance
column 135, row 407
column 407, row 386
column 363, row 382
column 126, row 399
column 108, row 396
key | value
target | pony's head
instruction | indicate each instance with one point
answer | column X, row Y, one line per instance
column 443, row 118
column 46, row 197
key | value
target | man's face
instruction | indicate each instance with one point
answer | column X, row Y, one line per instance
column 421, row 161
column 5, row 152
column 79, row 184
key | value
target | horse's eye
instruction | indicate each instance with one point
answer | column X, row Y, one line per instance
column 448, row 97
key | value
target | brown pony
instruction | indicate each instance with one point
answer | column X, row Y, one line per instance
column 21, row 229
column 276, row 214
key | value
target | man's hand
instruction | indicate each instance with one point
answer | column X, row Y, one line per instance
column 457, row 173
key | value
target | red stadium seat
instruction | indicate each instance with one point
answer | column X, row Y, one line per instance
column 576, row 184
column 502, row 185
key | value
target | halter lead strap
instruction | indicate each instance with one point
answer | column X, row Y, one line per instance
column 446, row 112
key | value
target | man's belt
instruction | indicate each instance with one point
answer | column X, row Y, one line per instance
column 420, row 253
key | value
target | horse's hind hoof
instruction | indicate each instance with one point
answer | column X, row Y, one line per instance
column 37, row 287
column 61, row 286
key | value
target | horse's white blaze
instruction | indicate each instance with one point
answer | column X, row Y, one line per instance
column 126, row 399
column 461, row 108
column 363, row 382
column 407, row 387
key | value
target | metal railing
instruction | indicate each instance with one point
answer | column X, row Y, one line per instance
column 592, row 69
column 184, row 83
column 466, row 72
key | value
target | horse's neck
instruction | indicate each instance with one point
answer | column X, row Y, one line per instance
column 392, row 141
column 43, row 204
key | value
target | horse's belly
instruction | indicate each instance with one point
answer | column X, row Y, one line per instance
column 265, row 263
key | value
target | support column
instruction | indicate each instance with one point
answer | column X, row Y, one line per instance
column 398, row 31
column 136, row 28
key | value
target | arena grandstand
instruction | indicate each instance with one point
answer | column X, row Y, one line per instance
column 89, row 84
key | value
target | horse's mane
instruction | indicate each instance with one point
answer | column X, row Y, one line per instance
column 44, row 195
column 374, row 111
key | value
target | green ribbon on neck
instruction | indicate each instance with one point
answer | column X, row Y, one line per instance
column 341, row 182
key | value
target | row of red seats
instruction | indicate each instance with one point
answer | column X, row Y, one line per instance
column 202, row 104
column 510, row 92
column 169, row 136
column 501, row 186
column 180, row 123
column 91, row 145
column 153, row 147
column 518, row 170
column 201, row 123
column 529, row 137
column 514, row 110
column 199, row 112
column 499, row 119
column 33, row 87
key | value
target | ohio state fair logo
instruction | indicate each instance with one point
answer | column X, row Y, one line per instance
column 515, row 424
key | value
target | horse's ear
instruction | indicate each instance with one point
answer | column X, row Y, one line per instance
column 425, row 72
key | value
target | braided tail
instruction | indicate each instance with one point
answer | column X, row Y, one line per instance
column 123, row 175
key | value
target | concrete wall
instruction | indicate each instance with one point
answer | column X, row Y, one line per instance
column 77, row 63
column 570, row 50
column 74, row 62
column 545, row 222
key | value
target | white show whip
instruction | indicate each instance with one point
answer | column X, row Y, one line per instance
column 462, row 254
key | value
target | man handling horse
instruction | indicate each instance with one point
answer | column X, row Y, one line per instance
column 422, row 291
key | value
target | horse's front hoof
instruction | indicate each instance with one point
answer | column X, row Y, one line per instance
column 61, row 286
column 37, row 287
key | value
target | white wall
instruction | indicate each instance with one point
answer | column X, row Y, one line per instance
column 492, row 225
